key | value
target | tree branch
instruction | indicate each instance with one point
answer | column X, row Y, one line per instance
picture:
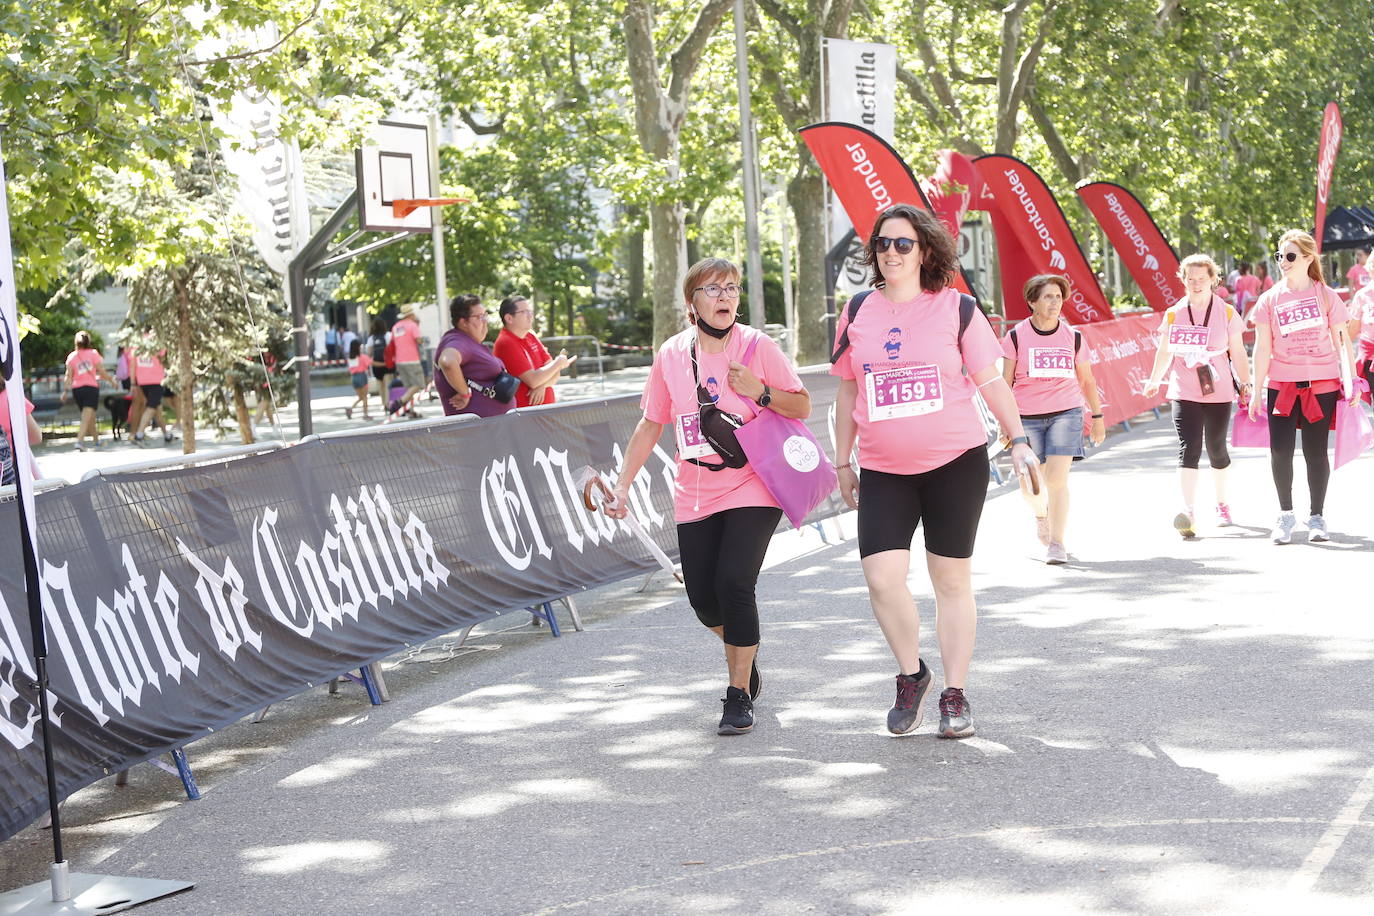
column 684, row 61
column 1059, row 150
column 482, row 130
column 314, row 11
column 782, row 17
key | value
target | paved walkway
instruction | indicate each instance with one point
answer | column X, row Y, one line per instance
column 1164, row 727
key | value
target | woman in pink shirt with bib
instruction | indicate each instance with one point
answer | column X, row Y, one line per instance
column 908, row 373
column 1302, row 352
column 1361, row 330
column 1051, row 378
column 725, row 515
column 1199, row 343
column 85, row 369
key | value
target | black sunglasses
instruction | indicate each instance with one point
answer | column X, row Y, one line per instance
column 1289, row 256
column 903, row 246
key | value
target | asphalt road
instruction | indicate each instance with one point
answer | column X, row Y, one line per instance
column 1163, row 727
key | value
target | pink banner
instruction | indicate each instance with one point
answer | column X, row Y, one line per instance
column 1121, row 352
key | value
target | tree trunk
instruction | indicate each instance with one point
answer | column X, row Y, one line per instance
column 634, row 259
column 806, row 196
column 667, row 229
column 245, row 421
column 186, row 399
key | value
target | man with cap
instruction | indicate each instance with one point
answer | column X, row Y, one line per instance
column 405, row 334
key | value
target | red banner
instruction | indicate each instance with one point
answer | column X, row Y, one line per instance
column 1122, row 353
column 1326, row 165
column 866, row 174
column 952, row 189
column 1046, row 240
column 1149, row 257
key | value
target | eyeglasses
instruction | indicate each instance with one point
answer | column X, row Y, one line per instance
column 1289, row 256
column 903, row 246
column 729, row 291
column 524, row 311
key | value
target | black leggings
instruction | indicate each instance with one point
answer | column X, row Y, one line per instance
column 1366, row 367
column 1197, row 422
column 721, row 557
column 1282, row 438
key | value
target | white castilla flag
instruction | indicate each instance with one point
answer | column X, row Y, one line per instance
column 268, row 168
column 860, row 88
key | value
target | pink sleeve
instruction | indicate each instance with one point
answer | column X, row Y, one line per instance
column 980, row 348
column 657, row 402
column 774, row 368
column 1339, row 313
column 1080, row 349
column 1261, row 313
column 843, row 368
column 1008, row 350
column 1236, row 325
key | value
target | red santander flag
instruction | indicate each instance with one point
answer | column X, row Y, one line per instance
column 1326, row 164
column 1149, row 257
column 866, row 174
column 1032, row 215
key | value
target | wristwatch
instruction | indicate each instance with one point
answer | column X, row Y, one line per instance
column 767, row 397
column 1021, row 440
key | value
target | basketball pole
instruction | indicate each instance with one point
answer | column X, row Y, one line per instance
column 440, row 268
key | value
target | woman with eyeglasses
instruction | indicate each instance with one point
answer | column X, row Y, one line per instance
column 462, row 363
column 1050, row 376
column 725, row 515
column 907, row 380
column 1303, row 354
column 1199, row 343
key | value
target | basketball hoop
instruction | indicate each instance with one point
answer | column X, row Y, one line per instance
column 403, row 208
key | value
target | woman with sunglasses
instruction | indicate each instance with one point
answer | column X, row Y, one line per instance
column 1302, row 352
column 725, row 515
column 1050, row 376
column 1199, row 342
column 907, row 381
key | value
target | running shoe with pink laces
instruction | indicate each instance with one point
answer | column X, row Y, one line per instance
column 1224, row 516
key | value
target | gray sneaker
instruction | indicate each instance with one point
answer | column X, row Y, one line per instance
column 956, row 714
column 905, row 714
column 1056, row 555
column 1316, row 530
column 1283, row 528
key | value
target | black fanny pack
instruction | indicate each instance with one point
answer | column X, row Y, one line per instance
column 501, row 389
column 717, row 427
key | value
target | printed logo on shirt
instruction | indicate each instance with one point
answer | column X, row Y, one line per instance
column 713, row 388
column 893, row 345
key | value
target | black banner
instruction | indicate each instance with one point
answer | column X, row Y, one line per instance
column 179, row 601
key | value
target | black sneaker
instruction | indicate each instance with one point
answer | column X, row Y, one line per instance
column 906, row 713
column 755, row 681
column 956, row 714
column 738, row 717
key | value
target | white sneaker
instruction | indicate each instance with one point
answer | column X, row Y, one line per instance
column 1283, row 528
column 1316, row 530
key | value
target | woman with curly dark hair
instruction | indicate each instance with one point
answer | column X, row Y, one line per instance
column 909, row 366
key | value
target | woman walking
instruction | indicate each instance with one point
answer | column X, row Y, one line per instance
column 908, row 373
column 725, row 515
column 1199, row 345
column 85, row 369
column 1051, row 379
column 359, row 366
column 1302, row 351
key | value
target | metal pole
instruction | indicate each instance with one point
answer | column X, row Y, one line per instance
column 440, row 270
column 789, row 313
column 751, row 190
column 296, row 292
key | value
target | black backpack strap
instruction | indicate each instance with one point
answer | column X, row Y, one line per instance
column 1077, row 341
column 843, row 343
column 967, row 306
column 1015, row 345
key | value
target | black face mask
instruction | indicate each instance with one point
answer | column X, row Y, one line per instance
column 710, row 331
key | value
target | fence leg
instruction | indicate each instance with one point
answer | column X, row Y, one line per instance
column 1156, row 412
column 994, row 473
column 188, row 779
column 1126, row 425
column 572, row 612
column 370, row 685
column 545, row 612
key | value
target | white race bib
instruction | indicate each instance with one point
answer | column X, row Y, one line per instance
column 1188, row 339
column 690, row 442
column 1298, row 315
column 906, row 392
column 1051, row 362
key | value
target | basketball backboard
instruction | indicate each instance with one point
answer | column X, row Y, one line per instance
column 394, row 166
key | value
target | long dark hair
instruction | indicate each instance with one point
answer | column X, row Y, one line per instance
column 939, row 260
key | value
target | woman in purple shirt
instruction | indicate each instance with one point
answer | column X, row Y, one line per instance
column 461, row 357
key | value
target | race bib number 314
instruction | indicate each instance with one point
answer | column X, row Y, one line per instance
column 1051, row 362
column 906, row 392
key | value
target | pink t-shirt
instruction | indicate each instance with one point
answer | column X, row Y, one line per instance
column 1191, row 348
column 1046, row 378
column 915, row 408
column 147, row 368
column 84, row 365
column 360, row 363
column 670, row 398
column 1305, row 353
column 1362, row 310
column 1357, row 277
column 1247, row 291
column 406, row 335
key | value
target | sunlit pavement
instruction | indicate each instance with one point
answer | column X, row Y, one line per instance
column 1163, row 727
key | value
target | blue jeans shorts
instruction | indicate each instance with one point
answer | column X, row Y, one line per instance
column 1057, row 434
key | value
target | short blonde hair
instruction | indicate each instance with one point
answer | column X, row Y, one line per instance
column 1036, row 285
column 707, row 269
column 1199, row 260
column 1308, row 246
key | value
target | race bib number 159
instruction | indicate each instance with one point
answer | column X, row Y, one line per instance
column 906, row 392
